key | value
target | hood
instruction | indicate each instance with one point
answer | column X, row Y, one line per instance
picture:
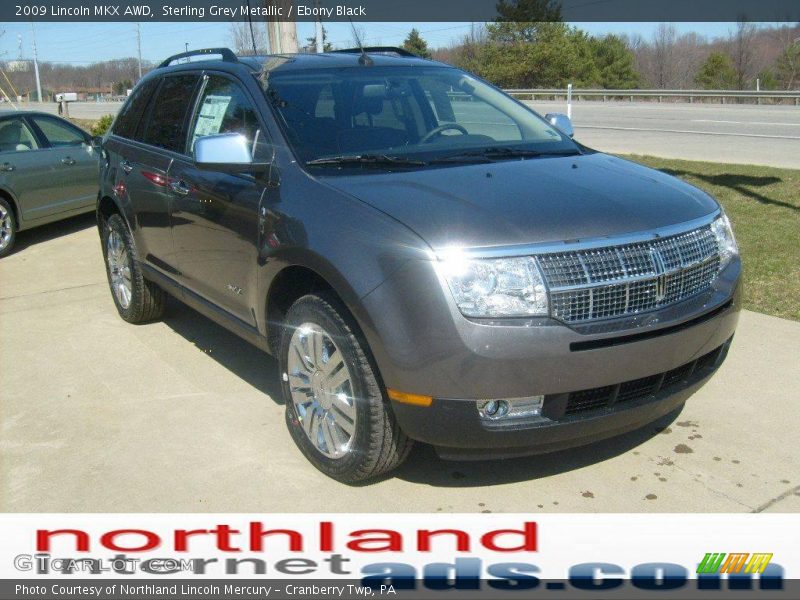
column 528, row 201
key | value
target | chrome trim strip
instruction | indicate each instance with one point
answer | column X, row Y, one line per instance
column 627, row 280
column 587, row 244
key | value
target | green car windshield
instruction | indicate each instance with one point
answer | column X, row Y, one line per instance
column 421, row 113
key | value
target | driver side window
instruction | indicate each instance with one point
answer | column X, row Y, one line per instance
column 225, row 108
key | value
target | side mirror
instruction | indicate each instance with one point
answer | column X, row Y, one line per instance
column 96, row 143
column 227, row 153
column 561, row 122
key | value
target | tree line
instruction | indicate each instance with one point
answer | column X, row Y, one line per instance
column 520, row 54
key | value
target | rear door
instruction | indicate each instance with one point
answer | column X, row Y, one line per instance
column 215, row 215
column 74, row 166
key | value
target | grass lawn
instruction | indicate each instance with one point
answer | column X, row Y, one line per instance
column 763, row 204
column 85, row 124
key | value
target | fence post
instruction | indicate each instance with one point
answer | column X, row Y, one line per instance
column 569, row 100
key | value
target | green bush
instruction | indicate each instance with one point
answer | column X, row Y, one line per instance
column 102, row 125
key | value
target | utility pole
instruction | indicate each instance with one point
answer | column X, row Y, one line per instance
column 36, row 66
column 139, row 46
column 282, row 33
column 320, row 33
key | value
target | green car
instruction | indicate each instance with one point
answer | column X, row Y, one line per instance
column 48, row 172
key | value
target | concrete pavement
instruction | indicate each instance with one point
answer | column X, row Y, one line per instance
column 181, row 416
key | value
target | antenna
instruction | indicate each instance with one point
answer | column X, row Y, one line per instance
column 252, row 34
column 363, row 59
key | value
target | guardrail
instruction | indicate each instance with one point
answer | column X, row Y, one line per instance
column 722, row 95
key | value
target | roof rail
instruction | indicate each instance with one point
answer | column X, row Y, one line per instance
column 380, row 50
column 226, row 54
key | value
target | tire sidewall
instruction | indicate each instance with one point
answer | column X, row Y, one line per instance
column 10, row 247
column 311, row 310
column 116, row 223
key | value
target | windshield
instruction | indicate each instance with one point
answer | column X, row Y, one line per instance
column 420, row 113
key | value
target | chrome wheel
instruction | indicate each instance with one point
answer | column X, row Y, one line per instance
column 321, row 390
column 6, row 227
column 119, row 268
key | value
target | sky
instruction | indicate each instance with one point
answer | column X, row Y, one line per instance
column 84, row 43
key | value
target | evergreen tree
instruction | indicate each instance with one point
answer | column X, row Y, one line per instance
column 615, row 63
column 530, row 55
column 716, row 73
column 787, row 67
column 416, row 45
column 312, row 42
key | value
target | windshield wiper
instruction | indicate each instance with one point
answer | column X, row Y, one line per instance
column 366, row 159
column 499, row 153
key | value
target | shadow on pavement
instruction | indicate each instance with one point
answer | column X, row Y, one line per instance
column 425, row 467
column 241, row 358
column 51, row 231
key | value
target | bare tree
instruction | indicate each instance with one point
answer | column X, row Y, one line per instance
column 663, row 55
column 787, row 40
column 742, row 43
column 359, row 36
column 243, row 41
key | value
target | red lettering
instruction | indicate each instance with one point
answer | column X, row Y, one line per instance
column 153, row 541
column 222, row 532
column 43, row 539
column 257, row 533
column 424, row 539
column 528, row 533
column 326, row 536
column 392, row 541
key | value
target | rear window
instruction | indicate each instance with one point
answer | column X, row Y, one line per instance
column 130, row 114
column 166, row 127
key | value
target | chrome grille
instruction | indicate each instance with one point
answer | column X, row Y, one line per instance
column 614, row 281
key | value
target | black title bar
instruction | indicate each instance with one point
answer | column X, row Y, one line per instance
column 403, row 10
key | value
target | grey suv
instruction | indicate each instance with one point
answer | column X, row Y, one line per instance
column 427, row 258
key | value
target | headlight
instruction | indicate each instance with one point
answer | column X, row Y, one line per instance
column 495, row 287
column 721, row 227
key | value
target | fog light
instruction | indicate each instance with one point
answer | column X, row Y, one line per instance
column 493, row 409
column 512, row 408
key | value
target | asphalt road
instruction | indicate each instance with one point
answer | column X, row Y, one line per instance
column 745, row 134
column 182, row 416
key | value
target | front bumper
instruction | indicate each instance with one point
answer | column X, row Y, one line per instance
column 423, row 345
column 458, row 433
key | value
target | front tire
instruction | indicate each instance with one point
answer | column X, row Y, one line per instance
column 336, row 410
column 137, row 300
column 8, row 228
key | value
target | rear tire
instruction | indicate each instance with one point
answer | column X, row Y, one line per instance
column 8, row 228
column 137, row 299
column 347, row 431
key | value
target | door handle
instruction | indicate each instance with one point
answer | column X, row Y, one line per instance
column 126, row 166
column 68, row 161
column 180, row 188
column 8, row 167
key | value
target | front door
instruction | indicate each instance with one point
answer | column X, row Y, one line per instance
column 25, row 169
column 215, row 215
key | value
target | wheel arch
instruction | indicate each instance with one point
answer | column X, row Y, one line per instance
column 298, row 278
column 107, row 206
column 16, row 213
